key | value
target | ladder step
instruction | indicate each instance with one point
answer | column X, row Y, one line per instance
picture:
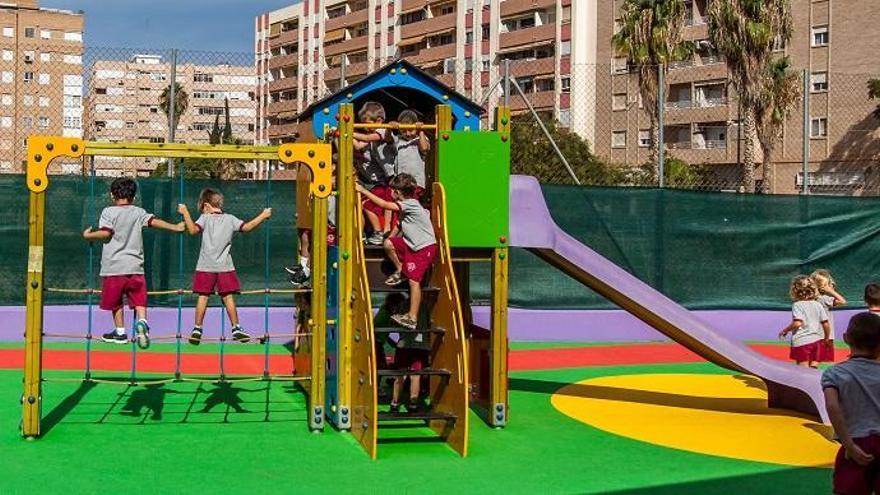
column 407, row 330
column 423, row 372
column 417, row 416
column 384, row 289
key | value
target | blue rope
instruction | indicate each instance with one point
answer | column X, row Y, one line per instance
column 90, row 269
column 266, row 293
column 222, row 342
column 180, row 280
column 133, row 379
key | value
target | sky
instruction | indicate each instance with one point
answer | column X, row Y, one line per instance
column 204, row 25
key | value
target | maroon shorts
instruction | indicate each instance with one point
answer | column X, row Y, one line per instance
column 852, row 479
column 806, row 352
column 115, row 287
column 826, row 352
column 223, row 283
column 383, row 192
column 411, row 359
column 415, row 263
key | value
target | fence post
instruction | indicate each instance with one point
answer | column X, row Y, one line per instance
column 661, row 106
column 507, row 83
column 805, row 187
column 172, row 107
column 342, row 71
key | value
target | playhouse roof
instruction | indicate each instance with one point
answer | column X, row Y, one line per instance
column 398, row 75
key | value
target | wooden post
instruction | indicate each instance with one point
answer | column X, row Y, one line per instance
column 318, row 327
column 498, row 390
column 348, row 241
column 33, row 369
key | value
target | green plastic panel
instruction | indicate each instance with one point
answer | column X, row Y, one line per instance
column 475, row 171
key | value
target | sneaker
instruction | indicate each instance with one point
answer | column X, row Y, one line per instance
column 195, row 338
column 405, row 321
column 240, row 335
column 396, row 278
column 142, row 334
column 413, row 405
column 394, row 408
column 376, row 239
column 298, row 276
column 115, row 338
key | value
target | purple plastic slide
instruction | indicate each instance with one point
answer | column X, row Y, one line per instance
column 531, row 227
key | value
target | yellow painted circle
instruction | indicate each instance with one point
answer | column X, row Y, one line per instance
column 718, row 415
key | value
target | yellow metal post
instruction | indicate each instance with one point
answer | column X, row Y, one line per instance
column 348, row 239
column 498, row 386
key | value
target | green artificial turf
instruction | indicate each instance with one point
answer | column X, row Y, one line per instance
column 252, row 438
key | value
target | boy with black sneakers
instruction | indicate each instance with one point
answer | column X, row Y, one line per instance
column 215, row 272
column 414, row 251
column 122, row 259
column 852, row 399
column 300, row 273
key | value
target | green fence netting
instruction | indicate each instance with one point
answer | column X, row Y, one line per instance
column 704, row 250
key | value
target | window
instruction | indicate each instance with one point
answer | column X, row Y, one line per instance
column 545, row 84
column 8, row 32
column 45, row 34
column 484, row 32
column 73, row 59
column 44, row 79
column 618, row 139
column 27, row 122
column 45, row 57
column 28, row 100
column 5, row 121
column 644, row 138
column 820, row 36
column 44, row 101
column 8, row 55
column 6, row 100
column 819, row 82
column 28, row 76
column 469, row 37
column 29, row 57
column 73, row 36
column 44, row 122
column 485, row 64
column 818, row 127
column 29, row 32
column 447, row 9
column 206, row 78
column 565, row 48
column 6, row 165
column 619, row 65
column 565, row 83
column 411, row 17
column 157, row 140
column 618, row 101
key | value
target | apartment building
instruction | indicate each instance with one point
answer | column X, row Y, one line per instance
column 830, row 43
column 40, row 78
column 123, row 104
column 311, row 49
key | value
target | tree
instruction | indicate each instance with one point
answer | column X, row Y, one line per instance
column 651, row 36
column 181, row 102
column 745, row 32
column 780, row 92
column 874, row 94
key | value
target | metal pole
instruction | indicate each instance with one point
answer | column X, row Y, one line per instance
column 172, row 107
column 489, row 93
column 546, row 132
column 342, row 71
column 661, row 104
column 805, row 187
column 507, row 83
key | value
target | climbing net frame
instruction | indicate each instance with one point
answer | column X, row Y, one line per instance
column 42, row 150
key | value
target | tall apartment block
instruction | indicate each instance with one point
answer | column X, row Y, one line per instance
column 313, row 48
column 831, row 42
column 40, row 78
column 123, row 105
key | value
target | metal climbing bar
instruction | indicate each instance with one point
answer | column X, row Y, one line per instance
column 177, row 358
column 266, row 278
column 90, row 279
column 396, row 127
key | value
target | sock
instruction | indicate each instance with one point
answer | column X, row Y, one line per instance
column 120, row 331
column 304, row 263
column 197, row 326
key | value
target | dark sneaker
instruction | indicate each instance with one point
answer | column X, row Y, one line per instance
column 376, row 239
column 115, row 338
column 298, row 276
column 394, row 408
column 395, row 279
column 195, row 338
column 240, row 335
column 405, row 321
column 413, row 405
column 142, row 334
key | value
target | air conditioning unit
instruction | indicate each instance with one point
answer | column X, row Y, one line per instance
column 28, row 59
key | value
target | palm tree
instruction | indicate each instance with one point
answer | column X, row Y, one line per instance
column 745, row 32
column 181, row 102
column 650, row 37
column 781, row 90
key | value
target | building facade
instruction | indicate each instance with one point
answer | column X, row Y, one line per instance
column 123, row 104
column 40, row 79
column 830, row 47
column 311, row 49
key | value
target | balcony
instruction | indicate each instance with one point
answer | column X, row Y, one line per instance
column 528, row 36
column 541, row 101
column 513, row 7
column 358, row 44
column 685, row 112
column 428, row 26
column 284, row 38
column 277, row 131
column 435, row 54
column 536, row 67
column 410, row 5
column 355, row 69
column 279, row 107
column 280, row 61
column 283, row 84
column 347, row 20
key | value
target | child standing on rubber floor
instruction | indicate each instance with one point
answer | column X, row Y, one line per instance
column 215, row 271
column 852, row 399
column 830, row 298
column 414, row 251
column 122, row 259
column 809, row 323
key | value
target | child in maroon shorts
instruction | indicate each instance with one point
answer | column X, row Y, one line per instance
column 122, row 259
column 413, row 252
column 809, row 323
column 215, row 272
column 852, row 399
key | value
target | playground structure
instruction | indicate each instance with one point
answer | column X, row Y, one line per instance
column 476, row 220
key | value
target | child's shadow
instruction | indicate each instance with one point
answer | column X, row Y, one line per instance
column 151, row 397
column 224, row 393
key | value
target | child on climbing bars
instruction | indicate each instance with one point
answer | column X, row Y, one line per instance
column 371, row 172
column 122, row 259
column 413, row 252
column 215, row 271
column 852, row 399
column 809, row 323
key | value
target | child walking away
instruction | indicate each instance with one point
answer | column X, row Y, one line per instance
column 809, row 323
column 215, row 271
column 371, row 172
column 829, row 297
column 122, row 259
column 413, row 252
column 852, row 399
